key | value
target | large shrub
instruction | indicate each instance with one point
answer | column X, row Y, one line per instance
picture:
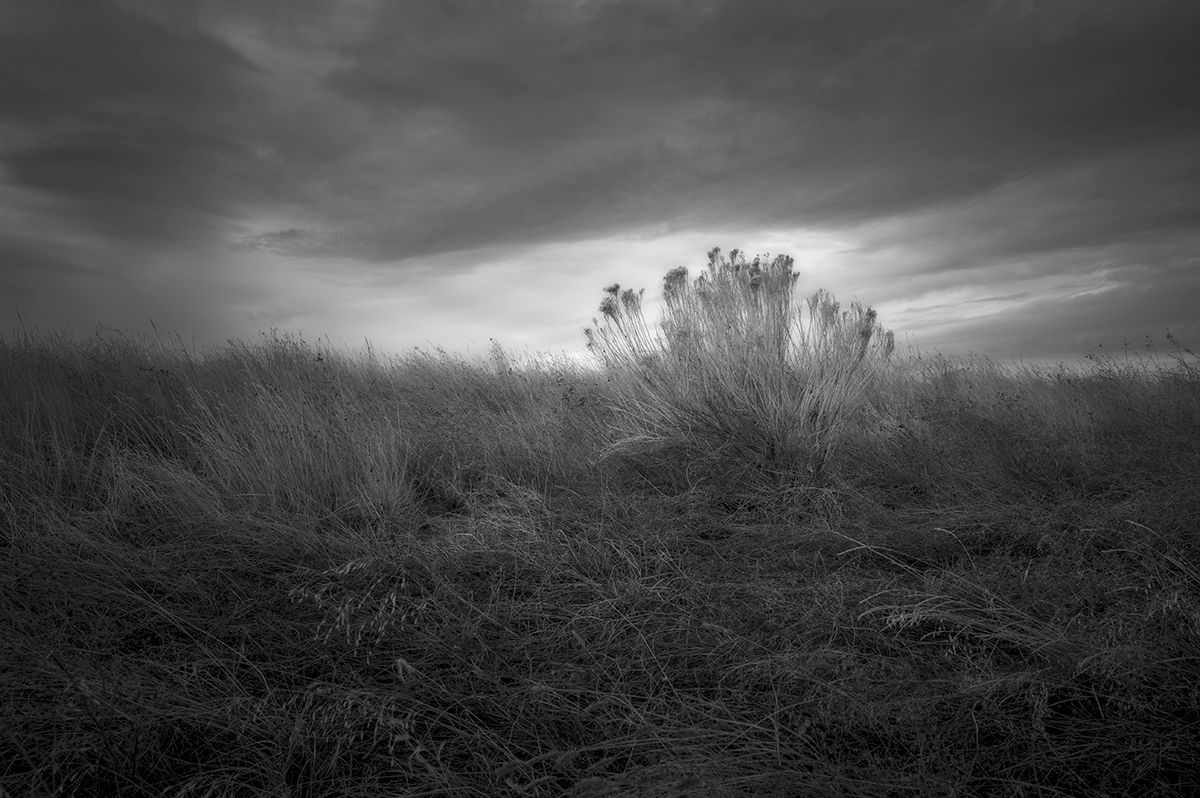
column 736, row 378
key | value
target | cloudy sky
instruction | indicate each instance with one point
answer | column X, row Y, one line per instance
column 1009, row 177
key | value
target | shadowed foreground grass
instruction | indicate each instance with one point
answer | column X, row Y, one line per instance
column 280, row 569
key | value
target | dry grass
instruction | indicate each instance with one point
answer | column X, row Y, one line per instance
column 281, row 569
column 735, row 381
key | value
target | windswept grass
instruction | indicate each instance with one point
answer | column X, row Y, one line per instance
column 799, row 564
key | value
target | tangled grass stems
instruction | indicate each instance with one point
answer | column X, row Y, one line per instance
column 278, row 568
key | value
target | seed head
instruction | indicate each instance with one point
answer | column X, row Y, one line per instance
column 609, row 306
column 675, row 280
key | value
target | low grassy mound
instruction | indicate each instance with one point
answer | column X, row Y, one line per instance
column 757, row 553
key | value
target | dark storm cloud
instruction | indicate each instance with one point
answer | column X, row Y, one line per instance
column 1029, row 136
column 133, row 126
column 160, row 184
column 770, row 112
column 445, row 125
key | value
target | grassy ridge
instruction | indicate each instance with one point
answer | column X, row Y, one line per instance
column 280, row 569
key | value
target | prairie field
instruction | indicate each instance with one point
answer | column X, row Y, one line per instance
column 716, row 568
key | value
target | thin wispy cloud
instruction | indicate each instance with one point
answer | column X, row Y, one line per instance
column 1026, row 173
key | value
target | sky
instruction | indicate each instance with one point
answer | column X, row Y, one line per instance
column 1012, row 178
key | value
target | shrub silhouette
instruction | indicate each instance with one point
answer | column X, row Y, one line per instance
column 736, row 376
